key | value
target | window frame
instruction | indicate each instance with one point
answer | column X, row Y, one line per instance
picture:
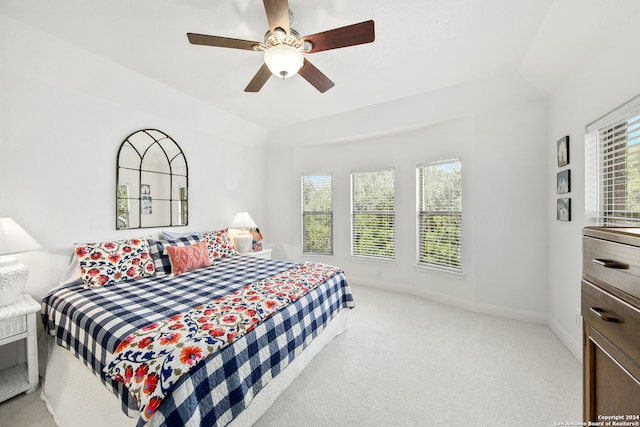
column 448, row 264
column 388, row 213
column 304, row 213
column 614, row 154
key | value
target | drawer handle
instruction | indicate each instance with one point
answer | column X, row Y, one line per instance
column 608, row 263
column 601, row 313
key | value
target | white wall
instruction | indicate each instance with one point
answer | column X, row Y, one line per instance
column 590, row 91
column 64, row 113
column 497, row 127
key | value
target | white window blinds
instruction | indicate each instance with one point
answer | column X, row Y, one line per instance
column 618, row 160
column 317, row 214
column 439, row 216
column 373, row 217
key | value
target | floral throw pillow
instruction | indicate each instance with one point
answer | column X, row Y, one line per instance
column 219, row 244
column 185, row 258
column 116, row 261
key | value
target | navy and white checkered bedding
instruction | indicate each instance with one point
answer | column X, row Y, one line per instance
column 91, row 323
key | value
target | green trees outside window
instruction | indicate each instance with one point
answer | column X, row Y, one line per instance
column 373, row 215
column 317, row 214
column 440, row 214
column 373, row 218
column 619, row 168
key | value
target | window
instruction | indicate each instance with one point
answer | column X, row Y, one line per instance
column 618, row 167
column 439, row 216
column 123, row 205
column 373, row 217
column 317, row 215
column 184, row 205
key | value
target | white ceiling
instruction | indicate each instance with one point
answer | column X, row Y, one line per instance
column 420, row 46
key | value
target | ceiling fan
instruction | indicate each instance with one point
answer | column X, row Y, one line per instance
column 284, row 48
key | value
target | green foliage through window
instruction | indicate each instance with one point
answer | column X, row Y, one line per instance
column 317, row 214
column 619, row 147
column 123, row 206
column 440, row 214
column 373, row 214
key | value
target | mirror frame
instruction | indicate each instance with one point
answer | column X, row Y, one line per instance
column 175, row 195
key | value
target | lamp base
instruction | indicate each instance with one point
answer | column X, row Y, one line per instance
column 13, row 277
column 243, row 241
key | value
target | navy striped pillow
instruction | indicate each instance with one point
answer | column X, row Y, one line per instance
column 161, row 259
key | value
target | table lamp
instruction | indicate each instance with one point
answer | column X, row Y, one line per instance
column 243, row 238
column 13, row 276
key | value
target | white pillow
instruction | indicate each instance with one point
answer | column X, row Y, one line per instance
column 72, row 273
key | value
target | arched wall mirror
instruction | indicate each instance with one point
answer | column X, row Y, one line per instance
column 151, row 182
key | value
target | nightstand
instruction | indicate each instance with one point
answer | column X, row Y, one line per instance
column 18, row 322
column 265, row 253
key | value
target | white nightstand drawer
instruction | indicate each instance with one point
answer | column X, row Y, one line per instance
column 11, row 327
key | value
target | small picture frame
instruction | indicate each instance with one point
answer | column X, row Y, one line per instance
column 563, row 151
column 146, row 205
column 564, row 209
column 563, row 182
column 146, row 202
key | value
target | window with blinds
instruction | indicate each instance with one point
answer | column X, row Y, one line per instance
column 317, row 215
column 183, row 213
column 373, row 216
column 122, row 205
column 439, row 214
column 618, row 157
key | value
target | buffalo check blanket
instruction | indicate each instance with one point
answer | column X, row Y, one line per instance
column 91, row 323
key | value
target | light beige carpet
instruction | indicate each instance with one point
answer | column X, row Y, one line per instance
column 406, row 361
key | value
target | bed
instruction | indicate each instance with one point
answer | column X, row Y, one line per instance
column 91, row 343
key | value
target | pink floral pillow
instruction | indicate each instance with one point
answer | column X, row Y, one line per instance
column 185, row 258
column 219, row 244
column 116, row 261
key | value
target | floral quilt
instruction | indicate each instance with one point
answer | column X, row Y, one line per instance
column 150, row 360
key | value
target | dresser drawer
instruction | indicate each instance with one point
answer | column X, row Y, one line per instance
column 618, row 321
column 11, row 327
column 615, row 264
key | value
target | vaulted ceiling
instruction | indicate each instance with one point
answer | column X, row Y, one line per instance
column 420, row 46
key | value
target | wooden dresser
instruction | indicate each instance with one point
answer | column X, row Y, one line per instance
column 611, row 313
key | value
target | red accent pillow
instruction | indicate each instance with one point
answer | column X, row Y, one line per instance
column 187, row 258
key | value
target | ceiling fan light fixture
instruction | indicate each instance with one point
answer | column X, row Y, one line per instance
column 283, row 60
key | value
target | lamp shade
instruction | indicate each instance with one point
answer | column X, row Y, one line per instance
column 13, row 238
column 242, row 220
column 283, row 60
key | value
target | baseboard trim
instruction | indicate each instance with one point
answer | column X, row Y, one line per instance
column 575, row 347
column 474, row 306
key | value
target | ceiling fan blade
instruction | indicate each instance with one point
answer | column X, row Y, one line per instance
column 259, row 79
column 314, row 76
column 350, row 35
column 277, row 14
column 205, row 40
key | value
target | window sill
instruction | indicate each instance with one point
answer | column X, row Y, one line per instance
column 312, row 255
column 373, row 260
column 443, row 271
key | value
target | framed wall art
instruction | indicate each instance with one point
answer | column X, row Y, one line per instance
column 563, row 151
column 564, row 209
column 563, row 182
column 146, row 203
